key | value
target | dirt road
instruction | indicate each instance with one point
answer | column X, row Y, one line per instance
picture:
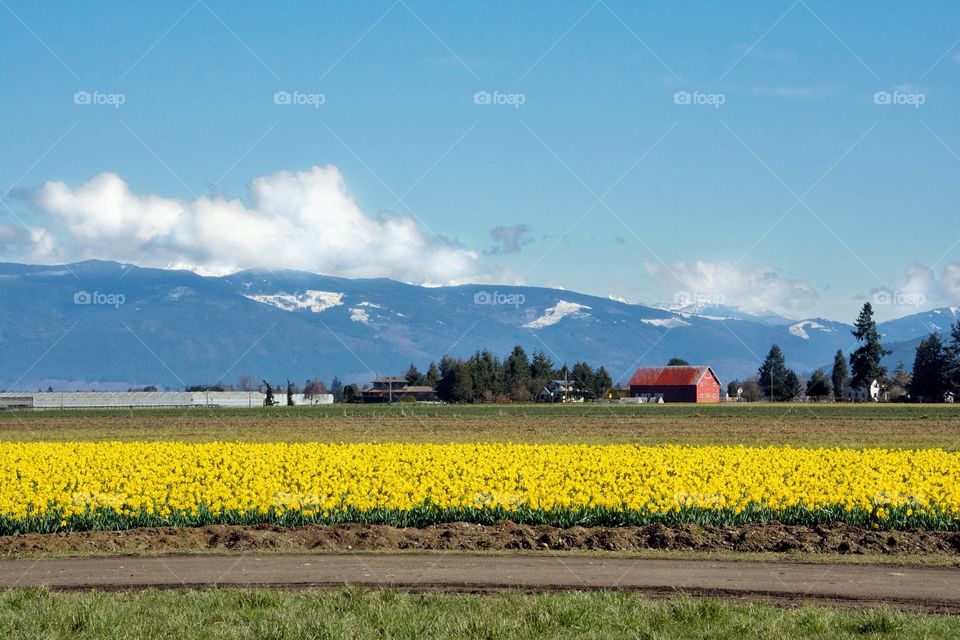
column 921, row 588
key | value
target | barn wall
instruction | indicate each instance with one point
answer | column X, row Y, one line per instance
column 708, row 391
column 671, row 393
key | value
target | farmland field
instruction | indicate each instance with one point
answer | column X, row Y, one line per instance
column 799, row 425
column 863, row 481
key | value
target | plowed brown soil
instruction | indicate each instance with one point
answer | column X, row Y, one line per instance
column 771, row 537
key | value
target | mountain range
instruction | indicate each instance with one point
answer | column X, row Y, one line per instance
column 106, row 325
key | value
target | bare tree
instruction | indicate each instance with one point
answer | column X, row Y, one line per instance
column 314, row 388
column 245, row 383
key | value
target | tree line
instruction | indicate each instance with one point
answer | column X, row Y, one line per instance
column 484, row 377
column 935, row 374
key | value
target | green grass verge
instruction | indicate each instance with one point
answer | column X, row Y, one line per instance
column 422, row 516
column 353, row 613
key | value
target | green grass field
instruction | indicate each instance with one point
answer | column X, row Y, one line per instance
column 351, row 613
column 807, row 425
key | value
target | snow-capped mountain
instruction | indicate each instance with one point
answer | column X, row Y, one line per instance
column 727, row 312
column 920, row 325
column 108, row 325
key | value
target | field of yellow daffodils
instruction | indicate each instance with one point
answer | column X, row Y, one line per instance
column 73, row 486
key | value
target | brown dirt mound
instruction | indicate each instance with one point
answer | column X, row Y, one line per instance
column 459, row 536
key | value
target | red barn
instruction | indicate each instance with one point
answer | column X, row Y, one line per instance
column 676, row 384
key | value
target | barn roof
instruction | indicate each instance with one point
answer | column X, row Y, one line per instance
column 669, row 376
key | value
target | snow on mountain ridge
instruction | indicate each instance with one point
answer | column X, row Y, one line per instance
column 311, row 300
column 799, row 330
column 359, row 315
column 670, row 323
column 556, row 313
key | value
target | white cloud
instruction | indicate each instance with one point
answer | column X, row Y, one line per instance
column 509, row 239
column 723, row 282
column 303, row 220
column 921, row 287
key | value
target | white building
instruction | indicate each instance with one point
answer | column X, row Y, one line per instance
column 150, row 399
column 863, row 394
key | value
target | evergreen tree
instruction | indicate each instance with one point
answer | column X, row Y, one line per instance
column 602, row 383
column 791, row 387
column 541, row 372
column 456, row 383
column 516, row 375
column 583, row 375
column 899, row 382
column 733, row 388
column 432, row 376
column 819, row 386
column 447, row 379
column 773, row 375
column 840, row 375
column 336, row 388
column 485, row 371
column 953, row 352
column 541, row 367
column 678, row 362
column 351, row 393
column 268, row 400
column 865, row 364
column 463, row 386
column 930, row 370
column 413, row 376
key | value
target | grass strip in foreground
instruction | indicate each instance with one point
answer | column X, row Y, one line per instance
column 354, row 613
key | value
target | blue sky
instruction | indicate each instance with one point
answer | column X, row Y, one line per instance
column 659, row 152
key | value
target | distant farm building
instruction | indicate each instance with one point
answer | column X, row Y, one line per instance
column 148, row 399
column 870, row 393
column 561, row 391
column 676, row 384
column 396, row 389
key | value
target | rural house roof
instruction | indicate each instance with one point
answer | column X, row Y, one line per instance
column 669, row 376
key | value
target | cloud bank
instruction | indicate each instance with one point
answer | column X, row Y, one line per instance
column 921, row 287
column 304, row 220
column 722, row 282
